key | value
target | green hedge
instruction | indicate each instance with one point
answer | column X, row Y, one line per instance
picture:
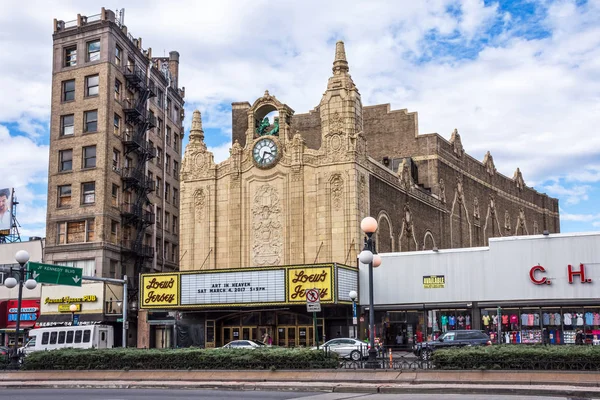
column 528, row 357
column 125, row 359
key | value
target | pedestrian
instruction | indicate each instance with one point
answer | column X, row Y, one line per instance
column 579, row 337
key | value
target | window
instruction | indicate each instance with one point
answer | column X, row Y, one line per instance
column 169, row 107
column 66, row 160
column 158, row 186
column 64, row 195
column 128, row 162
column 150, row 176
column 93, row 50
column 167, row 247
column 167, row 192
column 89, row 157
column 116, row 160
column 168, row 163
column 159, row 127
column 78, row 335
column 88, row 192
column 175, row 224
column 114, row 232
column 68, row 90
column 158, row 216
column 114, row 200
column 70, row 337
column 176, row 169
column 176, row 142
column 66, row 125
column 45, row 337
column 118, row 55
column 160, row 98
column 114, row 265
column 130, row 64
column 53, row 336
column 88, row 267
column 117, row 125
column 71, row 56
column 91, row 85
column 90, row 121
column 168, row 136
column 159, row 153
column 75, row 232
column 167, row 221
column 176, row 114
column 61, row 337
column 175, row 196
column 118, row 90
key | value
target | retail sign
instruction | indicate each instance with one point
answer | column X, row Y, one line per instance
column 67, row 307
column 159, row 290
column 92, row 298
column 55, row 274
column 240, row 287
column 536, row 275
column 313, row 277
column 434, row 281
column 30, row 311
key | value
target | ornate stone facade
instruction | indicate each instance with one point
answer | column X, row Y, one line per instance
column 296, row 186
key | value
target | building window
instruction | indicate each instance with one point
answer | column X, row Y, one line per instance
column 114, row 266
column 130, row 64
column 71, row 56
column 64, row 196
column 114, row 201
column 117, row 90
column 175, row 197
column 159, row 153
column 89, row 157
column 174, row 253
column 88, row 268
column 175, row 225
column 65, row 160
column 114, row 232
column 167, row 247
column 90, row 121
column 176, row 142
column 93, row 50
column 176, row 114
column 91, row 85
column 88, row 193
column 76, row 232
column 160, row 98
column 176, row 169
column 167, row 221
column 159, row 127
column 168, row 138
column 118, row 55
column 117, row 125
column 169, row 107
column 168, row 163
column 167, row 192
column 158, row 216
column 66, row 125
column 116, row 161
column 68, row 90
column 128, row 162
column 158, row 186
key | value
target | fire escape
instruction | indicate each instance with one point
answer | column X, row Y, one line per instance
column 137, row 212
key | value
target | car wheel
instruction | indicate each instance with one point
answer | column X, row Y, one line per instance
column 425, row 355
column 355, row 355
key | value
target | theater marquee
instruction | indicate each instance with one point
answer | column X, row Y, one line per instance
column 247, row 286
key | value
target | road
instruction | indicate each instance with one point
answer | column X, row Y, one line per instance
column 207, row 394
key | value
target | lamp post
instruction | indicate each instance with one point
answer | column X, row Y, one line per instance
column 22, row 257
column 369, row 226
column 73, row 309
column 353, row 296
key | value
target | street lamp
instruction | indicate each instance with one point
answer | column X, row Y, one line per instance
column 369, row 226
column 73, row 308
column 353, row 296
column 22, row 257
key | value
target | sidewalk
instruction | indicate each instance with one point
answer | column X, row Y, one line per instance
column 545, row 383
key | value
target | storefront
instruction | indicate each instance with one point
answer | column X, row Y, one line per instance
column 212, row 308
column 533, row 289
column 30, row 312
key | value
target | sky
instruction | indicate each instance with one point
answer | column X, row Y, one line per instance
column 518, row 78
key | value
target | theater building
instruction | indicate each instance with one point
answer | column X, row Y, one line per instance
column 526, row 289
column 296, row 186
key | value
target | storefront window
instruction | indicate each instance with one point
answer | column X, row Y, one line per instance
column 510, row 325
column 489, row 324
column 573, row 320
column 592, row 326
column 530, row 326
column 552, row 332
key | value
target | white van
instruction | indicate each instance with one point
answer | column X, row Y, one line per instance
column 62, row 337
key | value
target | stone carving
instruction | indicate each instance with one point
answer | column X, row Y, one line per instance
column 407, row 222
column 492, row 206
column 521, row 224
column 457, row 143
column 236, row 159
column 507, row 220
column 198, row 160
column 336, row 124
column 199, row 204
column 442, row 191
column 488, row 162
column 267, row 235
column 362, row 195
column 476, row 213
column 460, row 195
column 297, row 148
column 518, row 178
column 337, row 190
column 536, row 228
column 406, row 181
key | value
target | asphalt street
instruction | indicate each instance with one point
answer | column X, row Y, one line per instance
column 175, row 394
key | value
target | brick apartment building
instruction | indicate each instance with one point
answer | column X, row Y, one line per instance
column 115, row 152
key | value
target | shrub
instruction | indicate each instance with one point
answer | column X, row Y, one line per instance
column 528, row 357
column 178, row 359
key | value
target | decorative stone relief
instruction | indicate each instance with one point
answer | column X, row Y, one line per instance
column 476, row 213
column 406, row 181
column 337, row 190
column 507, row 220
column 460, row 195
column 442, row 191
column 488, row 162
column 492, row 206
column 518, row 178
column 457, row 143
column 267, row 230
column 521, row 224
column 536, row 228
column 199, row 204
column 336, row 125
column 236, row 159
column 407, row 222
column 297, row 148
column 362, row 195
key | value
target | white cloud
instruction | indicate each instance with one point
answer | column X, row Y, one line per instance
column 572, row 195
column 564, row 216
column 221, row 152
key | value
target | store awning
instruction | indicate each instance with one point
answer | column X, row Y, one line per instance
column 46, row 320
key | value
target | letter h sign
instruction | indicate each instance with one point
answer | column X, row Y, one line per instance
column 580, row 273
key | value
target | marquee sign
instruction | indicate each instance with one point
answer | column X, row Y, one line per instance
column 248, row 286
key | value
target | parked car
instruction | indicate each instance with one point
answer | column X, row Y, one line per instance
column 449, row 340
column 346, row 348
column 4, row 354
column 245, row 344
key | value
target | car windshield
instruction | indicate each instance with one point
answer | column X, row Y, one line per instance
column 448, row 336
column 259, row 343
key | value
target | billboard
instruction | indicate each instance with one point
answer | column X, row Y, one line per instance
column 5, row 210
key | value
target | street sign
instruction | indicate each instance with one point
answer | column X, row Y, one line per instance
column 313, row 307
column 56, row 274
column 354, row 320
column 312, row 296
column 75, row 319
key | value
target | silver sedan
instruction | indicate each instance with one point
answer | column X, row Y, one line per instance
column 347, row 348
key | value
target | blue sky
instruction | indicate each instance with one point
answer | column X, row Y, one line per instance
column 518, row 78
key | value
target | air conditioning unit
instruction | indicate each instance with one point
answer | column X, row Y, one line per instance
column 116, row 169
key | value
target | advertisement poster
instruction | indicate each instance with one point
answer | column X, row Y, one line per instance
column 5, row 210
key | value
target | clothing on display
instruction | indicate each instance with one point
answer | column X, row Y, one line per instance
column 505, row 320
column 486, row 320
column 568, row 319
column 514, row 319
column 579, row 319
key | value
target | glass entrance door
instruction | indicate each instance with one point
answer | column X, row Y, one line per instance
column 305, row 336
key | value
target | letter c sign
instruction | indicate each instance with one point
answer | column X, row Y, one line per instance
column 542, row 280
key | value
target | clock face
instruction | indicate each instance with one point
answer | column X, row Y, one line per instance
column 265, row 153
